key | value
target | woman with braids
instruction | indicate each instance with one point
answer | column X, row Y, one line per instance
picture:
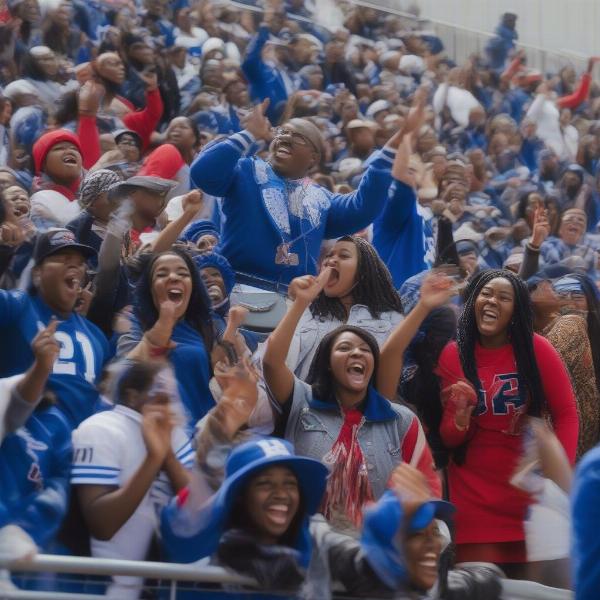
column 360, row 293
column 517, row 374
column 341, row 415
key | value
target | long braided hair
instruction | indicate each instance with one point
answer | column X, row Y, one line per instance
column 520, row 334
column 373, row 286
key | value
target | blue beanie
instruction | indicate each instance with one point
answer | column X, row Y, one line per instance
column 219, row 262
column 194, row 231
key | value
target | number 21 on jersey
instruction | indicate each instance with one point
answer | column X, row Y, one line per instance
column 68, row 358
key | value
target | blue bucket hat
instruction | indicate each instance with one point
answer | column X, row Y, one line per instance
column 194, row 231
column 219, row 262
column 247, row 460
column 383, row 521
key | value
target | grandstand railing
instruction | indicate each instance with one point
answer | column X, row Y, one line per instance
column 175, row 576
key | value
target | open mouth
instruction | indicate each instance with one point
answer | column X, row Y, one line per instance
column 175, row 295
column 334, row 277
column 356, row 373
column 283, row 150
column 489, row 316
column 73, row 283
column 278, row 513
column 69, row 159
column 429, row 561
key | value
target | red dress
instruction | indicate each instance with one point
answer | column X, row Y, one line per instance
column 489, row 509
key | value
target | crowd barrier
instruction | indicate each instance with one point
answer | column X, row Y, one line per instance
column 173, row 578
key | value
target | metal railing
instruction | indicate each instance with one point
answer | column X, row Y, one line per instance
column 176, row 574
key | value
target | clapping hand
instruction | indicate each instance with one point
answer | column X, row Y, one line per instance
column 240, row 394
column 157, row 425
column 461, row 399
column 437, row 288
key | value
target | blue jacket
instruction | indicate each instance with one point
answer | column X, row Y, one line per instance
column 585, row 512
column 84, row 352
column 398, row 234
column 35, row 462
column 255, row 215
column 265, row 80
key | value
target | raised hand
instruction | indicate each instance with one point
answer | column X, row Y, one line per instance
column 257, row 123
column 150, row 78
column 236, row 316
column 410, row 485
column 45, row 347
column 157, row 425
column 160, row 334
column 240, row 394
column 305, row 289
column 90, row 97
column 437, row 288
column 541, row 227
column 193, row 201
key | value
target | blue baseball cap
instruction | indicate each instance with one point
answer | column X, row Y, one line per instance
column 381, row 524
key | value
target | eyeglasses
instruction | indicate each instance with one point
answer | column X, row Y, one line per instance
column 297, row 138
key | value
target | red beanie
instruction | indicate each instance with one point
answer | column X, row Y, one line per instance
column 47, row 141
column 163, row 162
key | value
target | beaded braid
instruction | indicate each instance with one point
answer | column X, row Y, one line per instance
column 373, row 287
column 520, row 334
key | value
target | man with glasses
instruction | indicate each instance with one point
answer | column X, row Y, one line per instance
column 275, row 216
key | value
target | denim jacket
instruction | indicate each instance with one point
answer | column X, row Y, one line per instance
column 311, row 330
column 313, row 427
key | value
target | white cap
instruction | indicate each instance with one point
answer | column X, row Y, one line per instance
column 376, row 107
column 412, row 64
column 18, row 87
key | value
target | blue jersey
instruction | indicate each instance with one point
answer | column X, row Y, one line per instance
column 35, row 464
column 84, row 351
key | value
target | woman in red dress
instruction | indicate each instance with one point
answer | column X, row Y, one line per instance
column 516, row 374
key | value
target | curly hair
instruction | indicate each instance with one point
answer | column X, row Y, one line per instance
column 373, row 286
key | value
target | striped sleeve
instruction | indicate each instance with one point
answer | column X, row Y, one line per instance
column 241, row 141
column 95, row 457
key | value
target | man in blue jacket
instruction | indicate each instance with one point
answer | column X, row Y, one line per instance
column 275, row 216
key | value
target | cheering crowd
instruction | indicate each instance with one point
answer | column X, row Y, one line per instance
column 286, row 290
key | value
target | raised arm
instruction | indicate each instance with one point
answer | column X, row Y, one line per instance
column 436, row 290
column 214, row 169
column 279, row 378
column 192, row 202
column 582, row 92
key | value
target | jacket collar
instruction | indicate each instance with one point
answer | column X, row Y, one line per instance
column 374, row 407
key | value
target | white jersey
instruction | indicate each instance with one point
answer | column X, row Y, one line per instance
column 108, row 448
